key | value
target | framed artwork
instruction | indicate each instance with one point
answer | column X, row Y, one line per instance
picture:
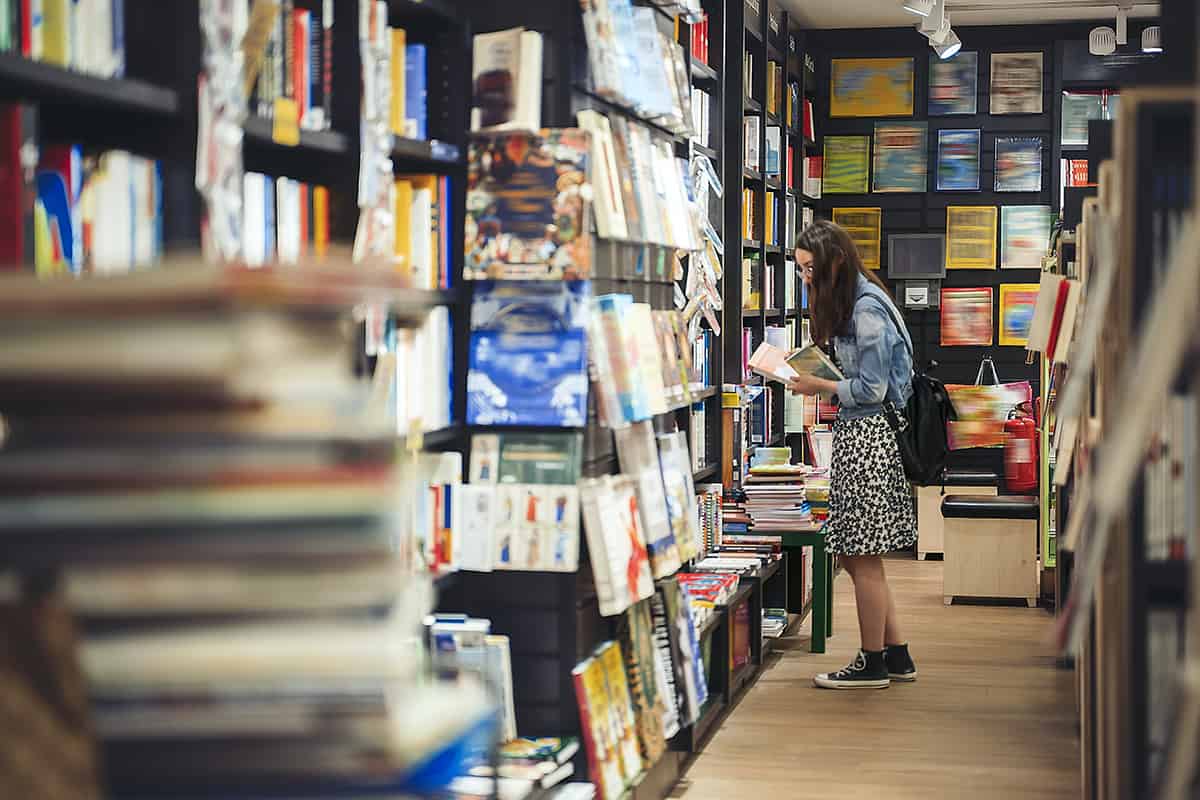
column 1018, row 164
column 864, row 226
column 1024, row 236
column 967, row 317
column 846, row 164
column 1016, row 312
column 970, row 237
column 1077, row 109
column 958, row 160
column 901, row 156
column 1016, row 83
column 871, row 87
column 953, row 84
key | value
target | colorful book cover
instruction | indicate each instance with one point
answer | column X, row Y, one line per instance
column 865, row 227
column 415, row 99
column 685, row 646
column 970, row 237
column 1024, row 236
column 612, row 523
column 619, row 373
column 900, row 156
column 595, row 716
column 953, row 84
column 637, row 646
column 527, row 361
column 527, row 206
column 539, row 458
column 1016, row 83
column 681, row 492
column 623, row 714
column 871, row 87
column 637, row 451
column 958, row 160
column 966, row 317
column 846, row 165
column 1017, row 301
column 1018, row 164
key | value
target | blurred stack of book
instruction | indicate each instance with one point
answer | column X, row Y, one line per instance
column 775, row 492
column 192, row 448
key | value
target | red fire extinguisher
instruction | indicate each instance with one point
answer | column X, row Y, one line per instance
column 1020, row 450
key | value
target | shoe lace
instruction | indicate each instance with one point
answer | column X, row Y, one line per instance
column 859, row 664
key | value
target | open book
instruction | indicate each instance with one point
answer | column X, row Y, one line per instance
column 776, row 364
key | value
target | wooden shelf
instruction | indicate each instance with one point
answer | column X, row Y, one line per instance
column 38, row 82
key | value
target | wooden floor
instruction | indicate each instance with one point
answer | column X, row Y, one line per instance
column 990, row 716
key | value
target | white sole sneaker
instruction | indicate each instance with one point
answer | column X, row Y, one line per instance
column 823, row 681
column 909, row 678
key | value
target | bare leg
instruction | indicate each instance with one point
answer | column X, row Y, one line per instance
column 872, row 598
column 891, row 629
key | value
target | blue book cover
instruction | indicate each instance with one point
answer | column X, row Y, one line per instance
column 415, row 113
column 527, row 360
column 269, row 217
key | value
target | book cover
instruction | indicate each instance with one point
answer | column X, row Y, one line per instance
column 612, row 523
column 812, row 360
column 599, row 740
column 900, row 156
column 415, row 99
column 638, row 454
column 527, row 205
column 637, row 646
column 623, row 713
column 680, row 492
column 685, row 650
column 958, row 160
column 398, row 42
column 527, row 362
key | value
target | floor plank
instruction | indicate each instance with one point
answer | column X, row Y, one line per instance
column 990, row 717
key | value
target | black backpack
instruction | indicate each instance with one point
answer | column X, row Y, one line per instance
column 921, row 434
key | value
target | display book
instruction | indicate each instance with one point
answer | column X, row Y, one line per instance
column 777, row 364
column 507, row 81
column 224, row 409
column 76, row 213
column 294, row 78
column 634, row 65
column 283, row 220
column 53, row 31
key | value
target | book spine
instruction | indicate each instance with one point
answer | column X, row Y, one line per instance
column 415, row 99
column 287, row 69
column 316, row 67
column 591, row 745
column 299, row 63
column 327, row 61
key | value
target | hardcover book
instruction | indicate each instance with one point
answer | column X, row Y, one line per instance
column 612, row 523
column 637, row 645
column 527, row 204
column 599, row 731
column 638, row 454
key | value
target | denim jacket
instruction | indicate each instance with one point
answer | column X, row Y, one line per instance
column 874, row 359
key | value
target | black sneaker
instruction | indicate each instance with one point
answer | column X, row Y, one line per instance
column 899, row 663
column 866, row 671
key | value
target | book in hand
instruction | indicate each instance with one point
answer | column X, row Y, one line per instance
column 775, row 364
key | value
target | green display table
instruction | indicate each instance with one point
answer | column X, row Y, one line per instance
column 822, row 594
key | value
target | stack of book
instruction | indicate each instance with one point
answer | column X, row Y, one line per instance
column 88, row 36
column 228, row 517
column 774, row 622
column 708, row 499
column 295, row 76
column 775, row 491
column 816, row 491
column 707, row 592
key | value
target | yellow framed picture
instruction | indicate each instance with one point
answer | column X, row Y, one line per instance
column 1016, row 312
column 971, row 237
column 864, row 226
column 871, row 87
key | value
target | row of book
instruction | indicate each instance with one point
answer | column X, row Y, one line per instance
column 87, row 36
column 768, row 160
column 775, row 80
column 642, row 193
column 424, row 228
column 635, row 65
column 641, row 525
column 296, row 67
column 701, row 116
column 762, row 413
column 409, row 112
column 233, row 530
column 813, row 166
column 636, row 693
column 404, row 356
column 76, row 213
column 284, row 220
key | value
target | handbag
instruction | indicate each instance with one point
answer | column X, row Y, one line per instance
column 983, row 408
column 920, row 427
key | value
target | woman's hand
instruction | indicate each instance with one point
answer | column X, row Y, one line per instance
column 811, row 384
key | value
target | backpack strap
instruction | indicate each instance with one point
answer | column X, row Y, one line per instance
column 899, row 330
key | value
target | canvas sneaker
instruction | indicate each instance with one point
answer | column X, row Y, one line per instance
column 899, row 663
column 866, row 671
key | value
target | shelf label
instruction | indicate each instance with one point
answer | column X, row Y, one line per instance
column 286, row 127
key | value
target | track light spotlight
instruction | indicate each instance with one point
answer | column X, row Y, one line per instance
column 943, row 32
column 919, row 7
column 948, row 48
column 1152, row 39
column 930, row 23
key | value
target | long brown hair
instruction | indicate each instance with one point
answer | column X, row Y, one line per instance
column 836, row 267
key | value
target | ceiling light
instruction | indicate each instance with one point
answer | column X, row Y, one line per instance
column 933, row 20
column 1102, row 41
column 1152, row 39
column 919, row 7
column 949, row 48
column 942, row 34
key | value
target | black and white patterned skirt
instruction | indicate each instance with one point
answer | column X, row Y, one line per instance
column 870, row 501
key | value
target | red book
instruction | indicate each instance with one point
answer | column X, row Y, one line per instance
column 300, row 18
column 791, row 166
column 18, row 132
column 26, row 28
column 810, row 132
column 1077, row 172
column 1060, row 304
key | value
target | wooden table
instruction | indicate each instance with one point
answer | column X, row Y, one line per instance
column 822, row 595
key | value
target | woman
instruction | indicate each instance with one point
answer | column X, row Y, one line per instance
column 870, row 504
